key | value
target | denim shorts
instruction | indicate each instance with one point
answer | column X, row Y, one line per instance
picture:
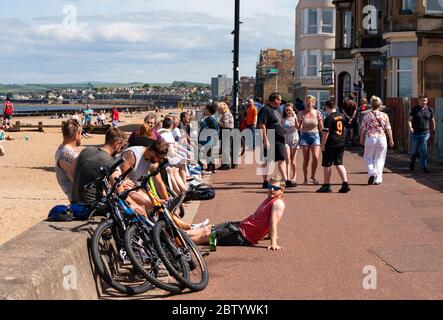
column 309, row 139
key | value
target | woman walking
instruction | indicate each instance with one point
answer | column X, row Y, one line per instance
column 291, row 127
column 226, row 123
column 311, row 122
column 375, row 132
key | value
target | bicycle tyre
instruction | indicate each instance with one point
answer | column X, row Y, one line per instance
column 159, row 230
column 100, row 267
column 130, row 234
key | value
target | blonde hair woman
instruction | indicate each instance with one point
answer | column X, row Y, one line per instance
column 226, row 122
column 374, row 128
column 311, row 122
column 291, row 127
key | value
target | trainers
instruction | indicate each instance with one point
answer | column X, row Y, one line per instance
column 290, row 184
column 265, row 184
column 411, row 167
column 425, row 170
column 224, row 167
column 371, row 180
column 202, row 224
column 344, row 188
column 326, row 188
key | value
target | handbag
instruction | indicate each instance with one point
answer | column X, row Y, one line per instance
column 381, row 125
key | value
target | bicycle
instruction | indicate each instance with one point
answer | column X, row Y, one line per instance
column 107, row 240
column 171, row 244
column 140, row 247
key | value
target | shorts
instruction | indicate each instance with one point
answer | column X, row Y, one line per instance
column 229, row 234
column 310, row 139
column 333, row 156
column 279, row 153
column 7, row 116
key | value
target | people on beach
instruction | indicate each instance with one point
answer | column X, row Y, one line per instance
column 270, row 119
column 8, row 112
column 291, row 127
column 311, row 124
column 333, row 147
column 66, row 154
column 422, row 127
column 115, row 117
column 101, row 118
column 252, row 229
column 375, row 135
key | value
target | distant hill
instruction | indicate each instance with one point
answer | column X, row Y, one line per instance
column 42, row 88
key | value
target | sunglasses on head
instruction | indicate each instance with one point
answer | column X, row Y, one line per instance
column 275, row 188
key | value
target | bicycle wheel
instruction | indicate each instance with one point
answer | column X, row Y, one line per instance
column 141, row 252
column 105, row 252
column 198, row 276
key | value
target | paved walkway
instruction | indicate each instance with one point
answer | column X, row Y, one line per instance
column 395, row 230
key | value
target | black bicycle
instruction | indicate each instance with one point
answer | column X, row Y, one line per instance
column 139, row 244
column 107, row 243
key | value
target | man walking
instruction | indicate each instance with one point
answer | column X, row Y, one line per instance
column 115, row 117
column 421, row 126
column 333, row 147
column 8, row 112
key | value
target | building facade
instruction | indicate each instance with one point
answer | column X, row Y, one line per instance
column 275, row 73
column 314, row 48
column 221, row 87
column 389, row 48
column 247, row 87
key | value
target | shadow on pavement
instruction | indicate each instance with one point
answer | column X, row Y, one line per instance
column 398, row 163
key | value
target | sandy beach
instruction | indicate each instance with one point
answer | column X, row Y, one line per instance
column 28, row 186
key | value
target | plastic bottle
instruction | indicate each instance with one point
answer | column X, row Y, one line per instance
column 212, row 240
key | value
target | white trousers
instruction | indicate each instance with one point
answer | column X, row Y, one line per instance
column 375, row 157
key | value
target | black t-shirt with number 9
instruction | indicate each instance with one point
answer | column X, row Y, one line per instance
column 335, row 125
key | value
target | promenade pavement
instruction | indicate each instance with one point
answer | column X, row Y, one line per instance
column 334, row 243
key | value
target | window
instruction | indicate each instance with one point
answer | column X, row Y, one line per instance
column 347, row 29
column 312, row 21
column 434, row 6
column 404, row 77
column 312, row 64
column 327, row 21
column 408, row 6
column 318, row 20
column 328, row 55
column 434, row 76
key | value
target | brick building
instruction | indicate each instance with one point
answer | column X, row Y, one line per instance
column 275, row 72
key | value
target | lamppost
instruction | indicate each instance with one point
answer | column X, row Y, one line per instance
column 235, row 93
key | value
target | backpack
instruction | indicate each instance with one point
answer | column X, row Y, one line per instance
column 69, row 213
column 201, row 192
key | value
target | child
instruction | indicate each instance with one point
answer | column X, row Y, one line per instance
column 333, row 147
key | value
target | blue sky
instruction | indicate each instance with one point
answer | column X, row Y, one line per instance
column 136, row 40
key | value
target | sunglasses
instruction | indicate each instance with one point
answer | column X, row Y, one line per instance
column 275, row 188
